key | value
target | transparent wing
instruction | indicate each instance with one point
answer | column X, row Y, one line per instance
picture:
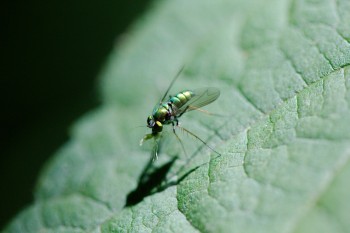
column 171, row 84
column 202, row 97
column 167, row 91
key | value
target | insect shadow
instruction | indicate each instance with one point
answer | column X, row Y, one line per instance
column 153, row 180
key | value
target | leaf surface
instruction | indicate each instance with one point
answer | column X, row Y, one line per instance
column 283, row 71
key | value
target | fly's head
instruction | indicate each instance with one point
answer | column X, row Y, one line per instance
column 155, row 125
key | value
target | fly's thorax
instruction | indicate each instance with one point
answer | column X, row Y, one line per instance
column 181, row 98
column 161, row 112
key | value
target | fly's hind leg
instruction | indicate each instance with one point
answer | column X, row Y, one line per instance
column 198, row 138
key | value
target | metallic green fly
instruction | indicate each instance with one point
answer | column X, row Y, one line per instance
column 168, row 112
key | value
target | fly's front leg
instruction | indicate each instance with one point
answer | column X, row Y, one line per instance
column 146, row 137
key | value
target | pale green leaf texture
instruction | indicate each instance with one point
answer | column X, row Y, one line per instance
column 283, row 71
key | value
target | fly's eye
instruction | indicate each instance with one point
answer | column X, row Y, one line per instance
column 150, row 121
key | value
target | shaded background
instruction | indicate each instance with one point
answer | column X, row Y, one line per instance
column 51, row 54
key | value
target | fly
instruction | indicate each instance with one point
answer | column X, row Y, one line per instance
column 169, row 111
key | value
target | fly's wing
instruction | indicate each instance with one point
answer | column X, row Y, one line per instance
column 167, row 91
column 202, row 97
column 171, row 84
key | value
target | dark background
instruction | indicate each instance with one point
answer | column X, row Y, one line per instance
column 51, row 53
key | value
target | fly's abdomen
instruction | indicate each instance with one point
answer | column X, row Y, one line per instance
column 181, row 98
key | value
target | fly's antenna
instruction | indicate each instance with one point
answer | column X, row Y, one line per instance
column 172, row 83
column 195, row 136
column 139, row 126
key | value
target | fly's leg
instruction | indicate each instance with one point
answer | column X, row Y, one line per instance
column 198, row 138
column 177, row 123
column 155, row 151
column 146, row 137
column 156, row 137
column 178, row 138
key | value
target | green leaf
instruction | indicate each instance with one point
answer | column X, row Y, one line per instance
column 284, row 134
